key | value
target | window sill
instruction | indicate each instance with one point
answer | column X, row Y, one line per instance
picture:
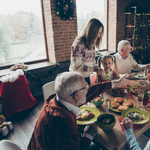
column 30, row 67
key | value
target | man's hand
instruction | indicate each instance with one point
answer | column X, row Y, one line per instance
column 91, row 129
column 147, row 66
column 128, row 123
column 122, row 82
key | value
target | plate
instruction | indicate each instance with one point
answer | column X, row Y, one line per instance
column 117, row 95
column 118, row 111
column 132, row 90
column 140, row 111
column 93, row 110
column 139, row 76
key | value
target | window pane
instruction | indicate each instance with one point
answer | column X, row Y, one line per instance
column 21, row 32
column 93, row 9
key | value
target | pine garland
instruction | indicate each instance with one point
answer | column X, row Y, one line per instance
column 30, row 75
column 65, row 9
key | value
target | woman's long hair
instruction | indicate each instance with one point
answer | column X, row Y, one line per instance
column 90, row 33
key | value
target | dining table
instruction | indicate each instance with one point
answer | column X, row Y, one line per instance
column 115, row 139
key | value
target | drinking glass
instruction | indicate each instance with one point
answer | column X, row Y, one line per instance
column 140, row 98
column 107, row 104
column 146, row 73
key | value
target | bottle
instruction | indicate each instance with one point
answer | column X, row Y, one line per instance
column 146, row 99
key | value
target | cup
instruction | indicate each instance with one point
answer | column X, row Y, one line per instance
column 140, row 98
column 107, row 104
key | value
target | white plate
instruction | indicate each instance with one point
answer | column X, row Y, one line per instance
column 140, row 76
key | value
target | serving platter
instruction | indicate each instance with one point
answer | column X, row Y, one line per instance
column 142, row 112
column 90, row 121
column 118, row 92
column 118, row 111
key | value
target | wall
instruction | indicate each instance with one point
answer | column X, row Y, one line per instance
column 60, row 34
column 112, row 20
column 121, row 8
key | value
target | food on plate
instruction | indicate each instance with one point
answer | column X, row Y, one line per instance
column 140, row 75
column 107, row 121
column 143, row 83
column 118, row 91
column 127, row 103
column 122, row 108
column 85, row 115
column 136, row 88
column 119, row 99
column 98, row 99
column 115, row 105
column 135, row 116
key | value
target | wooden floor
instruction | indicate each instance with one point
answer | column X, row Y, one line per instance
column 23, row 125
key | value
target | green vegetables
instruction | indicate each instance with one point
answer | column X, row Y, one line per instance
column 135, row 116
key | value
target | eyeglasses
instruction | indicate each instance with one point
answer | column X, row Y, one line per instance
column 86, row 87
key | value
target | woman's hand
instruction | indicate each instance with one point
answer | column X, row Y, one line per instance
column 128, row 123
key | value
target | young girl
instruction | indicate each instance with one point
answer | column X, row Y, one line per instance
column 110, row 70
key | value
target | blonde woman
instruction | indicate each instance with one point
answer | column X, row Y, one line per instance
column 83, row 49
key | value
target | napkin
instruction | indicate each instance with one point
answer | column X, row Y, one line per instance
column 135, row 126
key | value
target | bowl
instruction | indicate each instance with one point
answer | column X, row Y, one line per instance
column 106, row 121
column 98, row 103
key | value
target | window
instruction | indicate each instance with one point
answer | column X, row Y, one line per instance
column 87, row 9
column 21, row 32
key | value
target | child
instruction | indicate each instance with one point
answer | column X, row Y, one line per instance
column 110, row 70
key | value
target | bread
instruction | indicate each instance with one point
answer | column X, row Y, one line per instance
column 122, row 108
column 115, row 105
column 127, row 103
column 119, row 100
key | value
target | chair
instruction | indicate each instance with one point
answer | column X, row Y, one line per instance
column 48, row 89
column 8, row 145
column 93, row 78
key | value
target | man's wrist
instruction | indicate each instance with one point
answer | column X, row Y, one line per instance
column 87, row 136
column 112, row 84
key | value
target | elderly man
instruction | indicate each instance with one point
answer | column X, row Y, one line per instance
column 56, row 127
column 125, row 61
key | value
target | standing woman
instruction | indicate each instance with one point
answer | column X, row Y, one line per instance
column 83, row 49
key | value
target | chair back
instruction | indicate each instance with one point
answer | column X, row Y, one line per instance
column 48, row 89
column 8, row 145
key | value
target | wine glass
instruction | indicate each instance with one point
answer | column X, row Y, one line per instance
column 146, row 73
column 107, row 104
column 140, row 98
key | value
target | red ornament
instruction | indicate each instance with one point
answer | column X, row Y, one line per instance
column 64, row 19
column 63, row 1
column 58, row 3
column 71, row 6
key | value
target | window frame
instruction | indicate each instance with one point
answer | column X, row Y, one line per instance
column 105, row 29
column 45, row 41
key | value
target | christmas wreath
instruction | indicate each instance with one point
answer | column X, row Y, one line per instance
column 65, row 9
column 19, row 66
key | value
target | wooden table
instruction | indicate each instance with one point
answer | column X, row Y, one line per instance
column 116, row 139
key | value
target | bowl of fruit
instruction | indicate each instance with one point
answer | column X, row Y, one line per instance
column 98, row 101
